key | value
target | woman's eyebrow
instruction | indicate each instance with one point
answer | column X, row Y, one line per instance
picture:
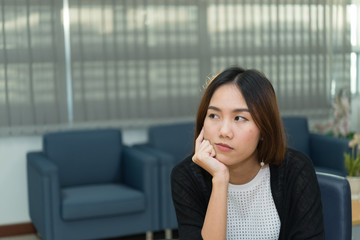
column 241, row 110
column 235, row 110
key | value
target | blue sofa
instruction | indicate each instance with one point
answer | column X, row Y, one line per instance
column 86, row 184
column 326, row 152
column 170, row 144
column 336, row 203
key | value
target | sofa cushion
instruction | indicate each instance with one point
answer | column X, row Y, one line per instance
column 100, row 201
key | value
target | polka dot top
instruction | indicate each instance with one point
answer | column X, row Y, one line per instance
column 251, row 210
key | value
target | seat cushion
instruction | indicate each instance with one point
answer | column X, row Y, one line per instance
column 100, row 201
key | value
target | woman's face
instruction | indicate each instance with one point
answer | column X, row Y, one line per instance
column 230, row 128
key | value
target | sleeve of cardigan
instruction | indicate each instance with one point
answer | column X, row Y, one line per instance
column 305, row 210
column 188, row 201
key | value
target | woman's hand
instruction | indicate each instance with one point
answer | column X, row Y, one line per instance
column 205, row 157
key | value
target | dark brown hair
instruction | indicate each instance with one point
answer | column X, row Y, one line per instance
column 261, row 100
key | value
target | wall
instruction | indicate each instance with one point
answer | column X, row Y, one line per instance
column 13, row 179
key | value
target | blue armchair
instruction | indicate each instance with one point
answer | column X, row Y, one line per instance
column 336, row 202
column 86, row 184
column 169, row 143
column 326, row 152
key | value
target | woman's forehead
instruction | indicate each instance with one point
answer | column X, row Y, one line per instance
column 228, row 96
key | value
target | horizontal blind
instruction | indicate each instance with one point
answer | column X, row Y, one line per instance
column 134, row 59
column 137, row 61
column 302, row 46
column 31, row 65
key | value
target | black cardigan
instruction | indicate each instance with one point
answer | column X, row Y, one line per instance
column 294, row 187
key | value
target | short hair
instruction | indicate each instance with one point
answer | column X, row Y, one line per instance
column 260, row 98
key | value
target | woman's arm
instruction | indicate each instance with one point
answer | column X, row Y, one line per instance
column 216, row 214
column 190, row 194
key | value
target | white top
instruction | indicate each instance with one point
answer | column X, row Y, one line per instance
column 251, row 210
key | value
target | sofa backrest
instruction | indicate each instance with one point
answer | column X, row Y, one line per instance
column 297, row 133
column 176, row 139
column 85, row 156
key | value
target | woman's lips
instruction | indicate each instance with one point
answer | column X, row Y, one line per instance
column 223, row 147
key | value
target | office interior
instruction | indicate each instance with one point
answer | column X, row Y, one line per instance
column 93, row 64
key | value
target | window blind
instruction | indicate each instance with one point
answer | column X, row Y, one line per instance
column 137, row 62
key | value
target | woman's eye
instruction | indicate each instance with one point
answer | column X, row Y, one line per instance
column 239, row 118
column 212, row 115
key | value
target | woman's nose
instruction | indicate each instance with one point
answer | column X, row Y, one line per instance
column 226, row 130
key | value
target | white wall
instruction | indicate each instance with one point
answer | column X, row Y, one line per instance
column 13, row 179
column 13, row 189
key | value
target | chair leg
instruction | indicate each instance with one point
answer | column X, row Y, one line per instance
column 168, row 233
column 149, row 235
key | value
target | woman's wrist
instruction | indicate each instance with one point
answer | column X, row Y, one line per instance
column 221, row 179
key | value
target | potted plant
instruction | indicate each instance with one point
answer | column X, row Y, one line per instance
column 352, row 164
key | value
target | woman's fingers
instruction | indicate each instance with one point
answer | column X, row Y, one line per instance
column 205, row 146
column 203, row 152
column 205, row 156
column 200, row 138
column 213, row 153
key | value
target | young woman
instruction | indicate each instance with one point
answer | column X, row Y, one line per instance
column 241, row 182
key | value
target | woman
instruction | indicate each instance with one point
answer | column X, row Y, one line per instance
column 241, row 182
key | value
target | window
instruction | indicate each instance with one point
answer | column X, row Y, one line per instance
column 354, row 18
column 140, row 62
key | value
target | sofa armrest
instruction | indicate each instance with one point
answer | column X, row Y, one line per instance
column 327, row 152
column 43, row 192
column 41, row 164
column 139, row 145
column 139, row 168
column 141, row 172
column 166, row 163
column 166, row 159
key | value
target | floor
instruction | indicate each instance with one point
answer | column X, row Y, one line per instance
column 356, row 232
column 356, row 236
column 21, row 237
column 157, row 235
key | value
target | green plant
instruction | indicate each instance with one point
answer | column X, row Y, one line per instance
column 352, row 159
